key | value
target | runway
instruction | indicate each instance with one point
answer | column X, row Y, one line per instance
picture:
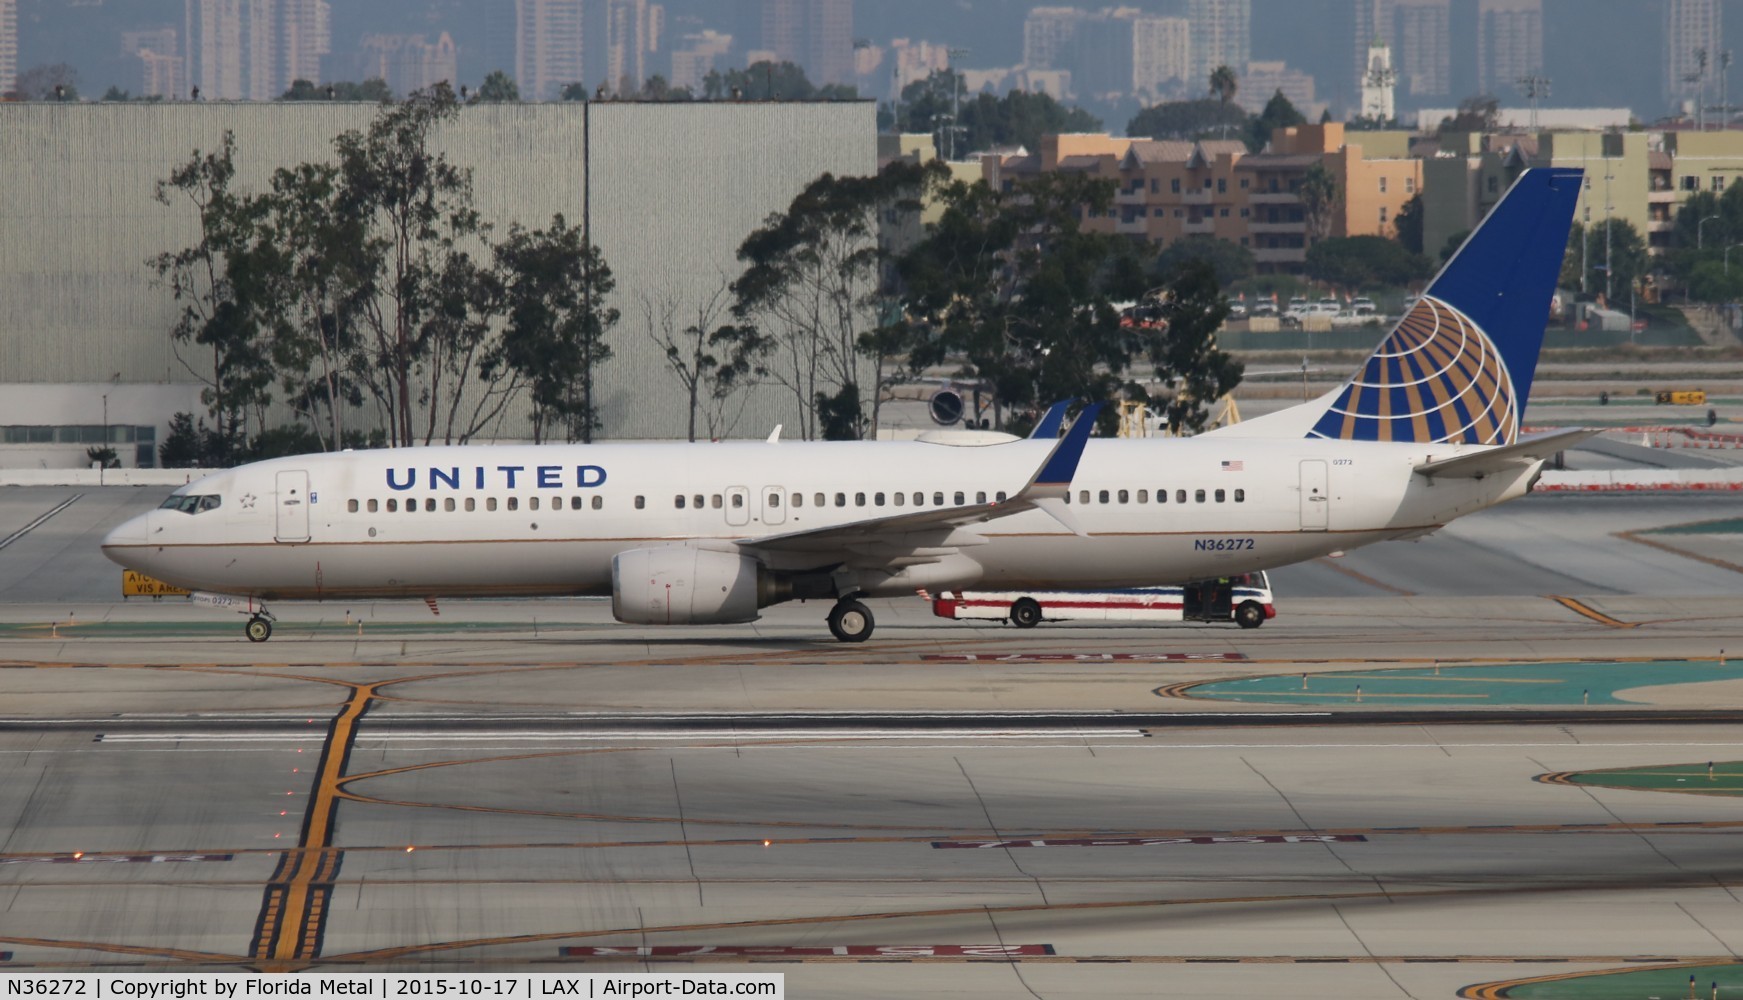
column 949, row 810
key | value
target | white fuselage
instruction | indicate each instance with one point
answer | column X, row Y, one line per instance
column 547, row 520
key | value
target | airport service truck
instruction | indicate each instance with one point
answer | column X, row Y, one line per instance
column 1244, row 600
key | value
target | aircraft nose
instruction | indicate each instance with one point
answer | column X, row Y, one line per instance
column 128, row 534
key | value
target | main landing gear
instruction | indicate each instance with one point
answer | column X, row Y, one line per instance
column 259, row 627
column 851, row 621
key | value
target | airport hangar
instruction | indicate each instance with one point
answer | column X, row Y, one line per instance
column 670, row 190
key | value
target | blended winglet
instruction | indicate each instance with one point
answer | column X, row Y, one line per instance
column 1047, row 428
column 1054, row 476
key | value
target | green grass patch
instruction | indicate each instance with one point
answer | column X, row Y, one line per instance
column 1726, row 778
column 1722, row 526
column 1496, row 685
column 1637, row 984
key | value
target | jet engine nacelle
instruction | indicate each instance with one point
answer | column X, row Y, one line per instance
column 681, row 585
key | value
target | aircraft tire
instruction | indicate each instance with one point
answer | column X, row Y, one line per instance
column 851, row 621
column 1249, row 615
column 1025, row 613
column 258, row 630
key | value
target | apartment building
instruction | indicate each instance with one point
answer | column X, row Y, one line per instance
column 1642, row 178
column 1171, row 190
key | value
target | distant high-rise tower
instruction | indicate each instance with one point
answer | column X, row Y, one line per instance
column 307, row 37
column 1422, row 43
column 1509, row 43
column 8, row 45
column 632, row 29
column 231, row 50
column 1419, row 35
column 547, row 46
column 1378, row 84
column 1047, row 36
column 1691, row 28
column 407, row 62
column 816, row 34
column 1221, row 36
column 161, row 65
column 1161, row 55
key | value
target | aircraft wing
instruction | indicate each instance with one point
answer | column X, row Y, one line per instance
column 1504, row 458
column 898, row 533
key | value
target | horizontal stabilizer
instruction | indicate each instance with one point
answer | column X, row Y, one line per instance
column 1504, row 458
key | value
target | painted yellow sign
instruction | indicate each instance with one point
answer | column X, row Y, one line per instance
column 139, row 585
column 1678, row 398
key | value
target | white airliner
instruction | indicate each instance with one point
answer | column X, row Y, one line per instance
column 1426, row 431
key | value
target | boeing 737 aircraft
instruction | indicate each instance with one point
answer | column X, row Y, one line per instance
column 1428, row 430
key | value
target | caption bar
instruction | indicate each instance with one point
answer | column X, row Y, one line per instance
column 387, row 986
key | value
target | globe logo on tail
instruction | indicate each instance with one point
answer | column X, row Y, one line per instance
column 1437, row 378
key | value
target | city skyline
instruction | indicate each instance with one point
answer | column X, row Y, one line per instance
column 1113, row 60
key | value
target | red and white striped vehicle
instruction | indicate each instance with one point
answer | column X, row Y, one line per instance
column 1244, row 599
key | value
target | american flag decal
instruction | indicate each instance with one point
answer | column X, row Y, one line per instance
column 1232, row 466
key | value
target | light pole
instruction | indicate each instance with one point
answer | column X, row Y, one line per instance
column 1699, row 243
column 955, row 97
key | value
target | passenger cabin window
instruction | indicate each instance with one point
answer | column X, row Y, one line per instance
column 1240, row 496
column 878, row 499
column 798, row 500
column 1102, row 496
column 919, row 499
column 1083, row 496
column 373, row 506
column 999, row 496
column 698, row 500
column 411, row 506
column 514, row 503
column 1198, row 495
column 840, row 499
column 1179, row 496
column 715, row 501
column 448, row 504
column 859, row 499
column 1220, row 495
column 351, row 506
column 960, row 499
column 737, row 500
column 489, row 504
column 980, row 496
column 900, row 499
column 937, row 499
column 576, row 503
column 641, row 503
column 1125, row 497
column 819, row 499
column 1143, row 496
column 598, row 503
column 678, row 501
column 774, row 499
column 392, row 505
column 471, row 504
column 532, row 503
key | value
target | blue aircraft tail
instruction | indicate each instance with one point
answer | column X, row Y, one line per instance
column 1458, row 368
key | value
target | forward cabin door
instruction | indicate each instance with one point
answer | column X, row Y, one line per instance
column 774, row 505
column 293, row 507
column 1315, row 496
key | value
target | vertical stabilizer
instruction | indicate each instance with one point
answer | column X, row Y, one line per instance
column 1458, row 368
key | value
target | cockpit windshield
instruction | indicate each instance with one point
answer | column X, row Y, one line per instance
column 190, row 504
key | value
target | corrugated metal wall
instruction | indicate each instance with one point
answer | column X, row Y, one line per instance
column 675, row 188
